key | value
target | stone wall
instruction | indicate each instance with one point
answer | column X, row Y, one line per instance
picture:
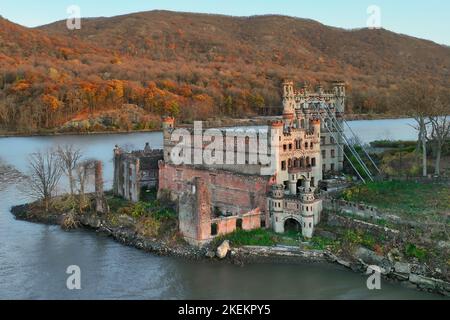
column 357, row 209
column 336, row 220
column 231, row 193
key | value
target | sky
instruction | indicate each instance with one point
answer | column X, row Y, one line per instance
column 427, row 19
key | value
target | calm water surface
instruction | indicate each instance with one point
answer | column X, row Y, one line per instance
column 34, row 257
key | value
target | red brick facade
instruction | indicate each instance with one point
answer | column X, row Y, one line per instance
column 243, row 197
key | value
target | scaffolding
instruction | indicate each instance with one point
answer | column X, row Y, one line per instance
column 332, row 125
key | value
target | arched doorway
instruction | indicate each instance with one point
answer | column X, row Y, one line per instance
column 299, row 184
column 292, row 225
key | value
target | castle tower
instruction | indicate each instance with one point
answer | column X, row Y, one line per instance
column 311, row 209
column 168, row 124
column 276, row 207
column 339, row 92
column 288, row 102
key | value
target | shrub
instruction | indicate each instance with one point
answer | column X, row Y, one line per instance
column 413, row 251
column 148, row 227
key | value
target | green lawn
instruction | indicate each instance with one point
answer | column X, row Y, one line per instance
column 403, row 197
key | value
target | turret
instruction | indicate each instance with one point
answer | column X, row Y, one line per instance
column 288, row 102
column 168, row 123
column 339, row 88
column 339, row 92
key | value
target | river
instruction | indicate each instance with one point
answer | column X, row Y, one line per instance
column 34, row 257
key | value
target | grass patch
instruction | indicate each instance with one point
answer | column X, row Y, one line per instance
column 405, row 197
column 257, row 237
column 360, row 238
column 412, row 251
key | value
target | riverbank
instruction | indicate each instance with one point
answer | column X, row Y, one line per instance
column 131, row 227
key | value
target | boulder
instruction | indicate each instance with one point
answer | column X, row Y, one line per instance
column 402, row 267
column 210, row 254
column 368, row 256
column 422, row 282
column 223, row 249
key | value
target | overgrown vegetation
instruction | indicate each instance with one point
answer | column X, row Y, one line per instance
column 153, row 219
column 404, row 197
column 413, row 251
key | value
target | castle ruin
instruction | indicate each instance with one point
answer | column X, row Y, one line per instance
column 222, row 196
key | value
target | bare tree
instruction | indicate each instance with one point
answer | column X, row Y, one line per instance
column 84, row 171
column 45, row 173
column 440, row 129
column 69, row 157
column 416, row 100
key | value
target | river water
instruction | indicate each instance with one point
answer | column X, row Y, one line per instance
column 34, row 257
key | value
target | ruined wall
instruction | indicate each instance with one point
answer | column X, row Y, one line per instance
column 235, row 193
column 196, row 221
column 134, row 170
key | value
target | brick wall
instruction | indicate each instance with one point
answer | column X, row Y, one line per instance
column 238, row 194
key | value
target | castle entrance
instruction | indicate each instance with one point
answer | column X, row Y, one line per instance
column 292, row 225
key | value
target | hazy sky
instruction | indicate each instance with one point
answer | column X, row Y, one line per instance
column 428, row 19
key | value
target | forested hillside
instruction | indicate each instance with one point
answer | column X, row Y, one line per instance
column 195, row 66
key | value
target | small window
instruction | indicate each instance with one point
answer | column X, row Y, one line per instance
column 214, row 229
column 283, row 165
column 333, row 154
column 324, row 154
column 332, row 167
column 239, row 224
column 313, row 162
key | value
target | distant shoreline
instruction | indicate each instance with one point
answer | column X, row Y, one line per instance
column 210, row 123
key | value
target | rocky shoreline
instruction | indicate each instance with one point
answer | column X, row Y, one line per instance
column 411, row 275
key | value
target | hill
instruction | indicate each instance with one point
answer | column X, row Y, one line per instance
column 199, row 65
